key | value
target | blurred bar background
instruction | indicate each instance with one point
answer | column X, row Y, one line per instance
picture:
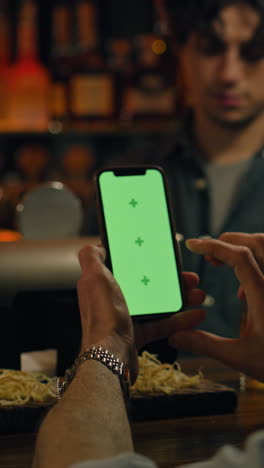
column 80, row 82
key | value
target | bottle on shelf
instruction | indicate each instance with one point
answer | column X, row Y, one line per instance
column 91, row 85
column 161, row 20
column 166, row 43
column 119, row 58
column 152, row 92
column 60, row 63
column 119, row 54
column 5, row 53
column 29, row 81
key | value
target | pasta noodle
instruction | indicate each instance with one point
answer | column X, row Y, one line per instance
column 157, row 378
column 18, row 388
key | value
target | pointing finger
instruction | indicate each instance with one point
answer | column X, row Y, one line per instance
column 255, row 242
column 239, row 258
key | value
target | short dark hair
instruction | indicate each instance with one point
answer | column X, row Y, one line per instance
column 188, row 16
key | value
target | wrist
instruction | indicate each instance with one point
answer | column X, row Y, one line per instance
column 92, row 376
column 103, row 356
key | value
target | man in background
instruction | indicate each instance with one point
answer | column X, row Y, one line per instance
column 215, row 159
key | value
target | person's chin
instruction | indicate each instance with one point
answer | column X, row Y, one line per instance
column 232, row 118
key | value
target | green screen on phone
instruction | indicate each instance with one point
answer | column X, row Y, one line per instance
column 140, row 241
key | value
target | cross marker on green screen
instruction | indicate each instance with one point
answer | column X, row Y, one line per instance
column 145, row 280
column 139, row 241
column 133, row 203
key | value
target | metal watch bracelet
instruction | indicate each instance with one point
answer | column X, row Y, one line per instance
column 105, row 357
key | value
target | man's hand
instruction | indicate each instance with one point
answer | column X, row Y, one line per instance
column 246, row 353
column 157, row 330
column 255, row 242
column 104, row 314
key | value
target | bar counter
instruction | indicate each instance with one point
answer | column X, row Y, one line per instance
column 175, row 441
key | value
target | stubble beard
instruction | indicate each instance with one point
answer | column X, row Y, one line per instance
column 239, row 123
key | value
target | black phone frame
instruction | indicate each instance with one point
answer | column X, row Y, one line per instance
column 140, row 170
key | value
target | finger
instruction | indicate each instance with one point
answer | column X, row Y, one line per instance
column 240, row 293
column 195, row 297
column 237, row 238
column 190, row 279
column 238, row 257
column 213, row 261
column 255, row 242
column 90, row 256
column 153, row 331
column 228, row 351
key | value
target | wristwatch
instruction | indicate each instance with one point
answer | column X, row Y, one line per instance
column 105, row 357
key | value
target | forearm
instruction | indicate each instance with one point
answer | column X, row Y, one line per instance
column 90, row 421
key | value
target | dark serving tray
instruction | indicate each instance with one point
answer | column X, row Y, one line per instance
column 205, row 399
column 22, row 419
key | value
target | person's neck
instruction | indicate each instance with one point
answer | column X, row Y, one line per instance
column 227, row 146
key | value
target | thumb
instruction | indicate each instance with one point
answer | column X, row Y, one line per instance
column 228, row 351
column 152, row 331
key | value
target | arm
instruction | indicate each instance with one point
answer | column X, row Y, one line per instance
column 78, row 445
column 90, row 421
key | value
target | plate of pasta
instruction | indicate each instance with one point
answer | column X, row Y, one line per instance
column 157, row 378
column 164, row 391
column 161, row 391
column 24, row 399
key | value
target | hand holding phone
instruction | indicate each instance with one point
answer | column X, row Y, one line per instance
column 138, row 233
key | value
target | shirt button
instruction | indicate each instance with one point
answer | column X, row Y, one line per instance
column 200, row 184
column 209, row 301
column 179, row 237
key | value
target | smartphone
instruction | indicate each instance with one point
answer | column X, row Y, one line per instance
column 137, row 230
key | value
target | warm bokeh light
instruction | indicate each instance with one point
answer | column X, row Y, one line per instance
column 159, row 47
column 9, row 236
